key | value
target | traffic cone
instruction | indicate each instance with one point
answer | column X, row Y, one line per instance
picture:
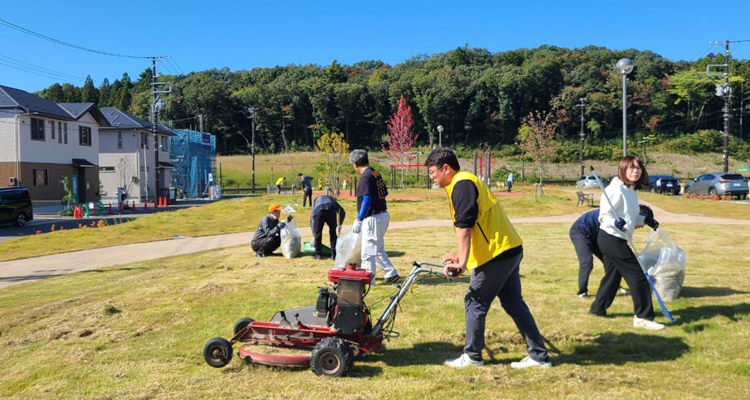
column 110, row 209
column 134, row 209
column 145, row 205
column 119, row 211
column 93, row 211
column 77, row 212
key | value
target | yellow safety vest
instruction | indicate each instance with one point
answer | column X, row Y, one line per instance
column 492, row 233
column 279, row 181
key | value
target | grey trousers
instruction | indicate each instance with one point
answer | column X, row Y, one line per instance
column 499, row 278
column 586, row 248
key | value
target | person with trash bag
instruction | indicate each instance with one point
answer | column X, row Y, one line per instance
column 266, row 238
column 306, row 182
column 490, row 248
column 373, row 218
column 583, row 233
column 325, row 209
column 614, row 235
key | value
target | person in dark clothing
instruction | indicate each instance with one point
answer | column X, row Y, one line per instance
column 324, row 211
column 492, row 250
column 266, row 238
column 617, row 219
column 306, row 182
column 583, row 234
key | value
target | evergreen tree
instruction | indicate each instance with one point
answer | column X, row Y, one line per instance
column 89, row 94
column 104, row 93
column 55, row 93
column 71, row 94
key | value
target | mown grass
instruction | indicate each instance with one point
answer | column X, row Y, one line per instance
column 137, row 331
column 242, row 215
column 705, row 208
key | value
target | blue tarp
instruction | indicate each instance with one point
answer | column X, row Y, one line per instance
column 194, row 156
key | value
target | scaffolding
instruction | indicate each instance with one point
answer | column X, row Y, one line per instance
column 193, row 155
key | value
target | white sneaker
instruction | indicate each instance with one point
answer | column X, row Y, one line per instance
column 583, row 295
column 624, row 291
column 646, row 324
column 528, row 362
column 463, row 361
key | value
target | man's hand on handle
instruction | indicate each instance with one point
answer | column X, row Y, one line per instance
column 452, row 268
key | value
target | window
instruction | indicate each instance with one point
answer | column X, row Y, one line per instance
column 164, row 143
column 37, row 129
column 144, row 140
column 65, row 129
column 40, row 177
column 119, row 140
column 106, row 169
column 59, row 131
column 52, row 129
column 84, row 136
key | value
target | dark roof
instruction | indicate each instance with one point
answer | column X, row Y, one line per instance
column 81, row 162
column 166, row 165
column 11, row 98
column 78, row 110
column 120, row 120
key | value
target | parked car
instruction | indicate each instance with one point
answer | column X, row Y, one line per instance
column 663, row 183
column 718, row 183
column 15, row 206
column 587, row 182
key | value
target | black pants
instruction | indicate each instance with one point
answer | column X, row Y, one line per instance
column 307, row 195
column 320, row 219
column 279, row 187
column 266, row 245
column 620, row 262
column 586, row 248
column 499, row 279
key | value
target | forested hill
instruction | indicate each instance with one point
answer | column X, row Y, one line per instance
column 478, row 96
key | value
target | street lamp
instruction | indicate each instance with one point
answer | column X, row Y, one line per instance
column 624, row 67
column 440, row 135
column 251, row 110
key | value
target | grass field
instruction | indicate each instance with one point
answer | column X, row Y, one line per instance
column 232, row 216
column 137, row 331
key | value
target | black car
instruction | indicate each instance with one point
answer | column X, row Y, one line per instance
column 15, row 206
column 664, row 184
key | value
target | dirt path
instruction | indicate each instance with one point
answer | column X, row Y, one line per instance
column 20, row 271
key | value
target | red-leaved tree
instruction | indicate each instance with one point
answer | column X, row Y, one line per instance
column 402, row 138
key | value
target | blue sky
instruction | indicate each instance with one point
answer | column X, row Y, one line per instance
column 246, row 34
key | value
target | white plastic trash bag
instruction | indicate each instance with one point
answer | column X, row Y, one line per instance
column 291, row 241
column 348, row 249
column 665, row 263
column 288, row 209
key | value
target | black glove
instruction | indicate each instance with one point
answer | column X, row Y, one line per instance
column 289, row 218
column 620, row 224
column 650, row 221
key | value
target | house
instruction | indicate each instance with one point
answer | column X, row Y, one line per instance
column 42, row 142
column 127, row 159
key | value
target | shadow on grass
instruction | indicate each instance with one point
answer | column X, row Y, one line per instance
column 429, row 353
column 702, row 313
column 693, row 292
column 618, row 349
column 24, row 278
column 113, row 269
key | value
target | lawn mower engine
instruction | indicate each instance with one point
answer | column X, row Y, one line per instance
column 344, row 309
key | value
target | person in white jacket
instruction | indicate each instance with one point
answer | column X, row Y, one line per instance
column 617, row 223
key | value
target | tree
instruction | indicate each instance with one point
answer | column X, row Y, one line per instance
column 401, row 138
column 126, row 176
column 71, row 94
column 89, row 94
column 334, row 153
column 539, row 129
column 55, row 94
column 104, row 93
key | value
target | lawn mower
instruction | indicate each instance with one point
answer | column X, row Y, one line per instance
column 337, row 328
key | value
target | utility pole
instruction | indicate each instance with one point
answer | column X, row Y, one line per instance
column 252, row 145
column 154, row 122
column 645, row 143
column 725, row 92
column 583, row 106
column 742, row 105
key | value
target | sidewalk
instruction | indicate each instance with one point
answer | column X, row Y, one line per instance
column 20, row 271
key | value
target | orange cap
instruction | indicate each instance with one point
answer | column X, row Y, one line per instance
column 273, row 207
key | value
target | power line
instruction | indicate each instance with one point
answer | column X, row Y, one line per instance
column 60, row 42
column 31, row 68
column 172, row 60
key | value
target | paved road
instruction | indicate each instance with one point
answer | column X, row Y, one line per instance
column 19, row 271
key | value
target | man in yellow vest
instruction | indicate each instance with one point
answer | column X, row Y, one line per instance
column 490, row 248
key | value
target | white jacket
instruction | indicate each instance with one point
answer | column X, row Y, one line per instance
column 624, row 205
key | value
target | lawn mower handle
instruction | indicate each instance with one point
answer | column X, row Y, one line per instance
column 418, row 270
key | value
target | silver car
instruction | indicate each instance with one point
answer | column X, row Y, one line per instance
column 587, row 182
column 718, row 183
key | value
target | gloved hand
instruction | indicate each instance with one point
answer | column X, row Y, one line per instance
column 650, row 221
column 620, row 224
column 289, row 218
column 338, row 230
column 357, row 227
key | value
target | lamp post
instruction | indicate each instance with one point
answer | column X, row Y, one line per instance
column 251, row 110
column 624, row 67
column 440, row 130
column 583, row 105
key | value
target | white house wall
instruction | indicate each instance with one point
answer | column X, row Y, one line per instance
column 7, row 137
column 52, row 151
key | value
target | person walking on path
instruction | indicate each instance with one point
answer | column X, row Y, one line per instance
column 583, row 233
column 373, row 218
column 490, row 248
column 280, row 183
column 613, row 237
column 325, row 209
column 510, row 181
column 266, row 238
column 306, row 182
